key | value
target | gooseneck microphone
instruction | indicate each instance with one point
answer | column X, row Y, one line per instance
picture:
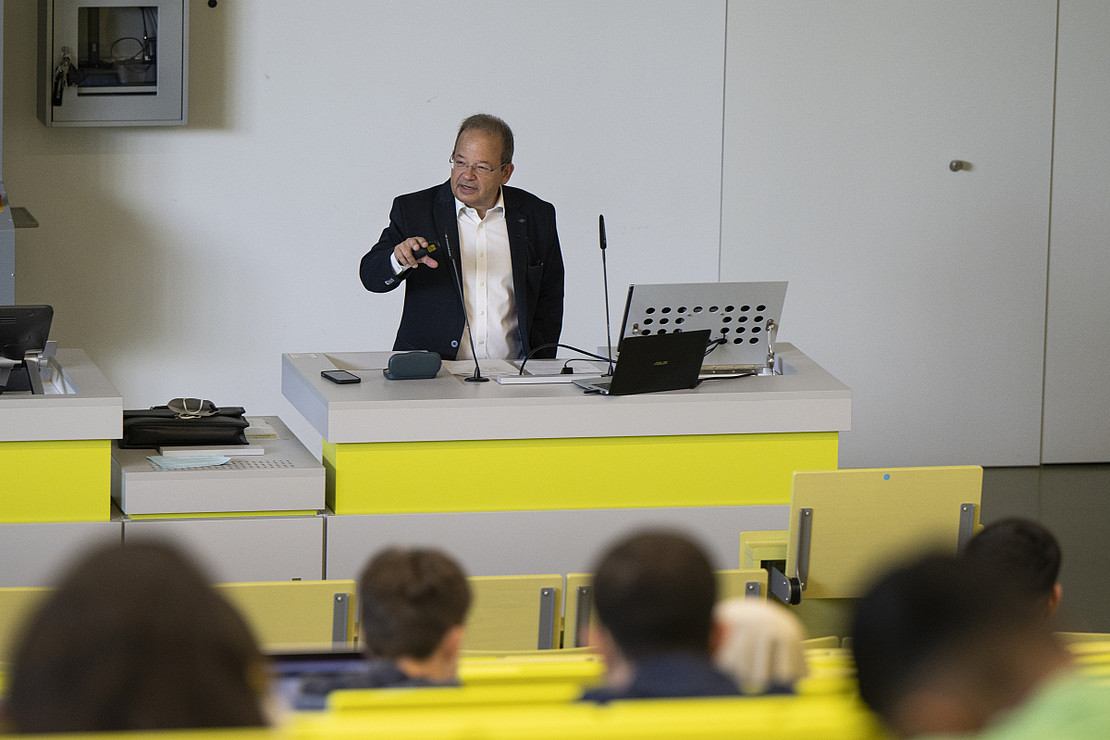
column 605, row 279
column 477, row 377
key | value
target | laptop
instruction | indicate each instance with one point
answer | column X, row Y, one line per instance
column 654, row 362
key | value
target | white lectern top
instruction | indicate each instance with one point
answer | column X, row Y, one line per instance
column 805, row 398
column 79, row 403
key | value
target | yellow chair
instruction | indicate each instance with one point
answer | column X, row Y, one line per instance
column 544, row 692
column 742, row 582
column 16, row 605
column 508, row 613
column 514, row 613
column 238, row 733
column 833, row 717
column 759, row 547
column 847, row 526
column 578, row 613
column 1092, row 657
column 548, row 666
column 1070, row 638
column 287, row 615
column 830, row 670
column 525, row 654
column 281, row 614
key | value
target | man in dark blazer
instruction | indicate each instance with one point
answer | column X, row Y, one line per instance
column 528, row 312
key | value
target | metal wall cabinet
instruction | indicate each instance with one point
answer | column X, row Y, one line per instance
column 113, row 62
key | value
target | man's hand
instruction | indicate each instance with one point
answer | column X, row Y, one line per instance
column 403, row 253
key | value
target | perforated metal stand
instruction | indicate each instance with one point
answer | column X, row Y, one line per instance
column 737, row 315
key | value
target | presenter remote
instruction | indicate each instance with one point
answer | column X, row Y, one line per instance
column 424, row 251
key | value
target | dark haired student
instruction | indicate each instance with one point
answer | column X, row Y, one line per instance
column 943, row 647
column 654, row 593
column 1024, row 552
column 414, row 604
column 135, row 638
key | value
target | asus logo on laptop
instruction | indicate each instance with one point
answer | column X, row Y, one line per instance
column 658, row 363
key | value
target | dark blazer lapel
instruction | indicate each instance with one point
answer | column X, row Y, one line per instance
column 447, row 221
column 517, row 222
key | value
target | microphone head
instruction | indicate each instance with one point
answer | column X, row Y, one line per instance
column 601, row 229
column 447, row 243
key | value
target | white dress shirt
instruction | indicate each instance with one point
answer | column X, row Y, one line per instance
column 487, row 276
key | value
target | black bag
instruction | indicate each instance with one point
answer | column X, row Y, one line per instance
column 184, row 422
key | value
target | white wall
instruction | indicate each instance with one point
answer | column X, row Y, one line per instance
column 921, row 288
column 1077, row 362
column 185, row 261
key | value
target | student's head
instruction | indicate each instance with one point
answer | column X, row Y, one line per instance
column 941, row 647
column 760, row 645
column 654, row 593
column 412, row 601
column 134, row 638
column 1024, row 552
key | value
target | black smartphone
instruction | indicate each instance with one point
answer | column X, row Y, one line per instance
column 340, row 376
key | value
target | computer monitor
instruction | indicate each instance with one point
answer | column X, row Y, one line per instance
column 23, row 333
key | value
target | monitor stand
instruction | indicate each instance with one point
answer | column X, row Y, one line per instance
column 16, row 375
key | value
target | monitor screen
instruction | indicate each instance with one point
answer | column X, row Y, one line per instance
column 23, row 329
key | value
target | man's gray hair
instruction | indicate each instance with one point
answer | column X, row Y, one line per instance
column 493, row 125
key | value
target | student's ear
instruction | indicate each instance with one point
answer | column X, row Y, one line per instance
column 1054, row 598
column 453, row 640
column 716, row 636
column 600, row 640
column 618, row 671
column 597, row 637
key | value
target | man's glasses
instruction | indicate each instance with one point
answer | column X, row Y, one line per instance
column 478, row 169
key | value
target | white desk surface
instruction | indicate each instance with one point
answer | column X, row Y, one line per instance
column 286, row 477
column 79, row 403
column 807, row 399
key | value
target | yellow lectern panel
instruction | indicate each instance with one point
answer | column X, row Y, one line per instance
column 56, row 481
column 588, row 473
